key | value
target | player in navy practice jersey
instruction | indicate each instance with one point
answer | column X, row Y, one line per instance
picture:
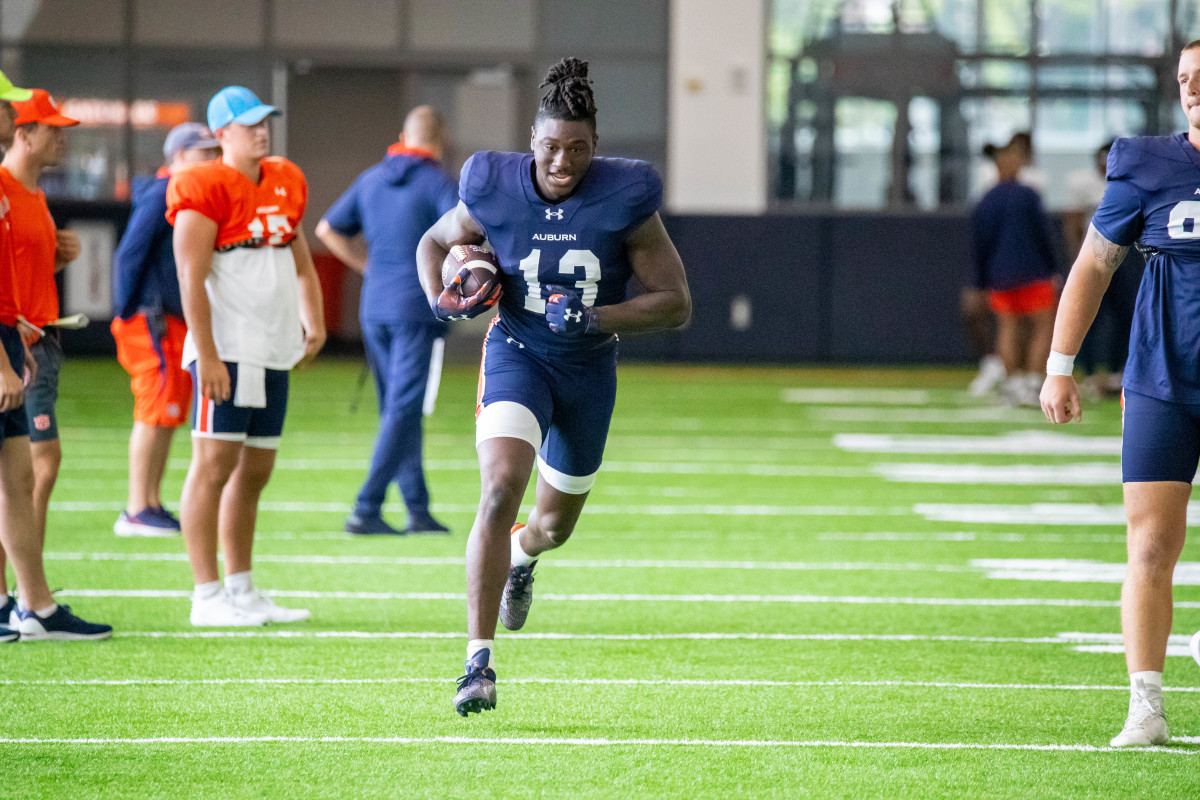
column 1152, row 199
column 569, row 231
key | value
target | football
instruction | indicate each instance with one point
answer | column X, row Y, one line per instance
column 481, row 261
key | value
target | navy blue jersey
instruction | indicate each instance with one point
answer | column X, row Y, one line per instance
column 1010, row 237
column 1153, row 199
column 144, row 276
column 578, row 243
column 392, row 204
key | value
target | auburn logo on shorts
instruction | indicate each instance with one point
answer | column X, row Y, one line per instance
column 42, row 422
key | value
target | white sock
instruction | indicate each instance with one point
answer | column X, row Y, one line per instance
column 206, row 591
column 519, row 557
column 47, row 611
column 239, row 582
column 1149, row 685
column 475, row 645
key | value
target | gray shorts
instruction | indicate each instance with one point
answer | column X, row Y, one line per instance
column 42, row 394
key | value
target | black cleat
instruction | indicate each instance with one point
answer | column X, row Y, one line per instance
column 517, row 597
column 476, row 689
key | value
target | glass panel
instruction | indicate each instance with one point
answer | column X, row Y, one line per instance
column 472, row 25
column 639, row 25
column 211, row 24
column 1006, row 26
column 374, row 24
column 62, row 21
column 863, row 141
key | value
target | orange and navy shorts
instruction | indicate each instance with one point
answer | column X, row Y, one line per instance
column 162, row 388
column 1027, row 299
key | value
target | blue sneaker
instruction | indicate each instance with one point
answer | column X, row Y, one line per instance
column 8, row 632
column 61, row 624
column 167, row 517
column 370, row 526
column 146, row 522
column 476, row 689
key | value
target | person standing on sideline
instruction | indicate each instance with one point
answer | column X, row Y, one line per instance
column 149, row 330
column 1150, row 201
column 252, row 303
column 391, row 205
column 1015, row 254
column 39, row 251
column 35, row 615
column 569, row 231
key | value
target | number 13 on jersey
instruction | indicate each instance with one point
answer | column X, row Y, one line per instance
column 567, row 266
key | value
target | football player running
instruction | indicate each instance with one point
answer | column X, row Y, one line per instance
column 1150, row 201
column 569, row 230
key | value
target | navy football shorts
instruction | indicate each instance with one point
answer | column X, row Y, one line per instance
column 41, row 395
column 256, row 427
column 1160, row 440
column 13, row 423
column 561, row 408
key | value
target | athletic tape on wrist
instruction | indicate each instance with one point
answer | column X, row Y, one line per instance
column 1059, row 364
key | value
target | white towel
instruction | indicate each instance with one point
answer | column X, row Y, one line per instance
column 251, row 390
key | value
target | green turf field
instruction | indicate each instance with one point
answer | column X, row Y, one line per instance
column 751, row 608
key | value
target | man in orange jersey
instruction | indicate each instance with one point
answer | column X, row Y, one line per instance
column 252, row 303
column 149, row 331
column 36, row 616
column 39, row 250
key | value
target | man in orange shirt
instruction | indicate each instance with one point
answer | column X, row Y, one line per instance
column 252, row 303
column 36, row 616
column 39, row 250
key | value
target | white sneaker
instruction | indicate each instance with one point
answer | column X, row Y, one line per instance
column 1146, row 725
column 1023, row 390
column 991, row 374
column 220, row 611
column 1193, row 645
column 257, row 603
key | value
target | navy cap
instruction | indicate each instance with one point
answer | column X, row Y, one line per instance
column 188, row 136
column 237, row 104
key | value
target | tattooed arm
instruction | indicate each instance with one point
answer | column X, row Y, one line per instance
column 1098, row 259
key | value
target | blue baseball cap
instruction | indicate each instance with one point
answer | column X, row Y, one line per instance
column 189, row 136
column 237, row 104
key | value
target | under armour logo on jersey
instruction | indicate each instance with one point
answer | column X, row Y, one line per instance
column 511, row 340
column 282, row 192
column 554, row 213
column 572, row 316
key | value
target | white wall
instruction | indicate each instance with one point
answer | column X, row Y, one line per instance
column 716, row 135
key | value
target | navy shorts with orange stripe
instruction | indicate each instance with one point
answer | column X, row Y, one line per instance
column 257, row 427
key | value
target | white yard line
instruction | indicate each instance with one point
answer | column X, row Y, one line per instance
column 1072, row 570
column 863, row 396
column 921, row 416
column 1033, row 514
column 592, row 509
column 785, row 566
column 792, row 599
column 972, row 536
column 1032, row 442
column 492, row 741
column 1080, row 474
column 508, row 681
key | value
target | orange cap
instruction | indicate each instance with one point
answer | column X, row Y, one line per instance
column 41, row 108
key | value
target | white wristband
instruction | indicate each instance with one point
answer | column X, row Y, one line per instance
column 1059, row 364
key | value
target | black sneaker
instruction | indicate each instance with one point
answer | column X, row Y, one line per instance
column 62, row 624
column 476, row 689
column 370, row 526
column 517, row 597
column 424, row 524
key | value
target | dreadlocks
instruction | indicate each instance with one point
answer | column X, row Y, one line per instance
column 570, row 94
